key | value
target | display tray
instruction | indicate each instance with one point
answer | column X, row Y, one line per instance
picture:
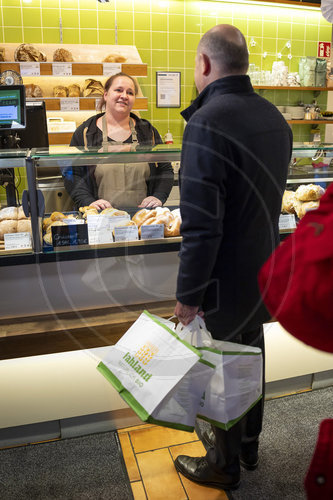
column 13, row 252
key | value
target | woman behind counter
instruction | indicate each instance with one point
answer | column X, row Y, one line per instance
column 144, row 185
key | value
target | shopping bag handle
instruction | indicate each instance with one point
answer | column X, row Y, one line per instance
column 195, row 333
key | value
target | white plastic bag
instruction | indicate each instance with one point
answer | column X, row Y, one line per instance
column 236, row 384
column 148, row 366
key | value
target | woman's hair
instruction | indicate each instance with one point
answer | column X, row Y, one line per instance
column 110, row 81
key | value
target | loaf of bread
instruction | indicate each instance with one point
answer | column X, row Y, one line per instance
column 142, row 215
column 60, row 91
column 7, row 226
column 114, row 58
column 20, row 213
column 8, row 213
column 309, row 192
column 62, row 55
column 24, row 226
column 288, row 201
column 74, row 90
column 32, row 90
column 92, row 87
column 27, row 52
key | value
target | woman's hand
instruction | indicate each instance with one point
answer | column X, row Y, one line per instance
column 100, row 204
column 150, row 202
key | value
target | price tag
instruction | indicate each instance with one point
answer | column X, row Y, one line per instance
column 126, row 233
column 70, row 234
column 110, row 69
column 69, row 104
column 152, row 232
column 61, row 69
column 15, row 241
column 74, row 222
column 287, row 222
column 30, row 69
column 99, row 229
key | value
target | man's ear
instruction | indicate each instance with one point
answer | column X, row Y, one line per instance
column 206, row 65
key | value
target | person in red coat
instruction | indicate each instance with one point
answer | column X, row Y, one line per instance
column 296, row 283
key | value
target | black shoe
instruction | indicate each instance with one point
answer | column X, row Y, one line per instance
column 197, row 469
column 248, row 457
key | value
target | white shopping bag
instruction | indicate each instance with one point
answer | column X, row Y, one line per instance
column 147, row 367
column 236, row 384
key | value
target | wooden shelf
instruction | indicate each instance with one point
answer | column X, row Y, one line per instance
column 310, row 122
column 83, row 69
column 87, row 103
column 271, row 87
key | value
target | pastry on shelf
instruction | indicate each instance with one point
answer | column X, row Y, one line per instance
column 92, row 87
column 8, row 213
column 27, row 52
column 62, row 55
column 114, row 58
column 24, row 226
column 309, row 192
column 7, row 226
column 288, row 201
column 74, row 90
column 60, row 91
column 32, row 90
column 111, row 211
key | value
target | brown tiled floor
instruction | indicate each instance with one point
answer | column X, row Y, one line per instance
column 149, row 452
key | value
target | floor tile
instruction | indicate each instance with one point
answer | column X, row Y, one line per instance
column 135, row 427
column 160, row 476
column 130, row 461
column 159, row 437
column 138, row 491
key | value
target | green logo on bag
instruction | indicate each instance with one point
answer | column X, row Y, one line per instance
column 136, row 366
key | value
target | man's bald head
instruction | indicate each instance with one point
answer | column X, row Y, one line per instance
column 225, row 45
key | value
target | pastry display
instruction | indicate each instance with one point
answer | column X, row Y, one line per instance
column 114, row 58
column 159, row 215
column 60, row 91
column 92, row 87
column 8, row 213
column 24, row 226
column 74, row 90
column 26, row 52
column 309, row 192
column 62, row 55
column 288, row 201
column 32, row 90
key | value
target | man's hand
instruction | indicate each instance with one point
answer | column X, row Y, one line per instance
column 100, row 204
column 150, row 202
column 185, row 313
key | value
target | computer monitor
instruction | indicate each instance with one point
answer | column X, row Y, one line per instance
column 12, row 107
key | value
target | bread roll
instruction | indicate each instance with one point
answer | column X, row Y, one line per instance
column 24, row 226
column 307, row 206
column 20, row 214
column 62, row 55
column 309, row 192
column 113, row 211
column 74, row 90
column 142, row 215
column 8, row 213
column 114, row 58
column 57, row 216
column 174, row 228
column 32, row 90
column 60, row 91
column 288, row 201
column 7, row 226
column 48, row 238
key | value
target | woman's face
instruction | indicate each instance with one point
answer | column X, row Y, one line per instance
column 121, row 95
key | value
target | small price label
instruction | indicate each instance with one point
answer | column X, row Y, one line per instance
column 61, row 69
column 30, row 69
column 152, row 232
column 110, row 69
column 287, row 222
column 126, row 233
column 99, row 229
column 70, row 104
column 16, row 241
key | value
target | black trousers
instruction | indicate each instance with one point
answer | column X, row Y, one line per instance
column 245, row 434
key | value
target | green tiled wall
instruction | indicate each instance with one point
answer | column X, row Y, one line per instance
column 166, row 34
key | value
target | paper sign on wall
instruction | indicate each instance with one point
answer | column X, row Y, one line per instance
column 324, row 49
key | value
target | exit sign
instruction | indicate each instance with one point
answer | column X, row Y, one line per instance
column 324, row 49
